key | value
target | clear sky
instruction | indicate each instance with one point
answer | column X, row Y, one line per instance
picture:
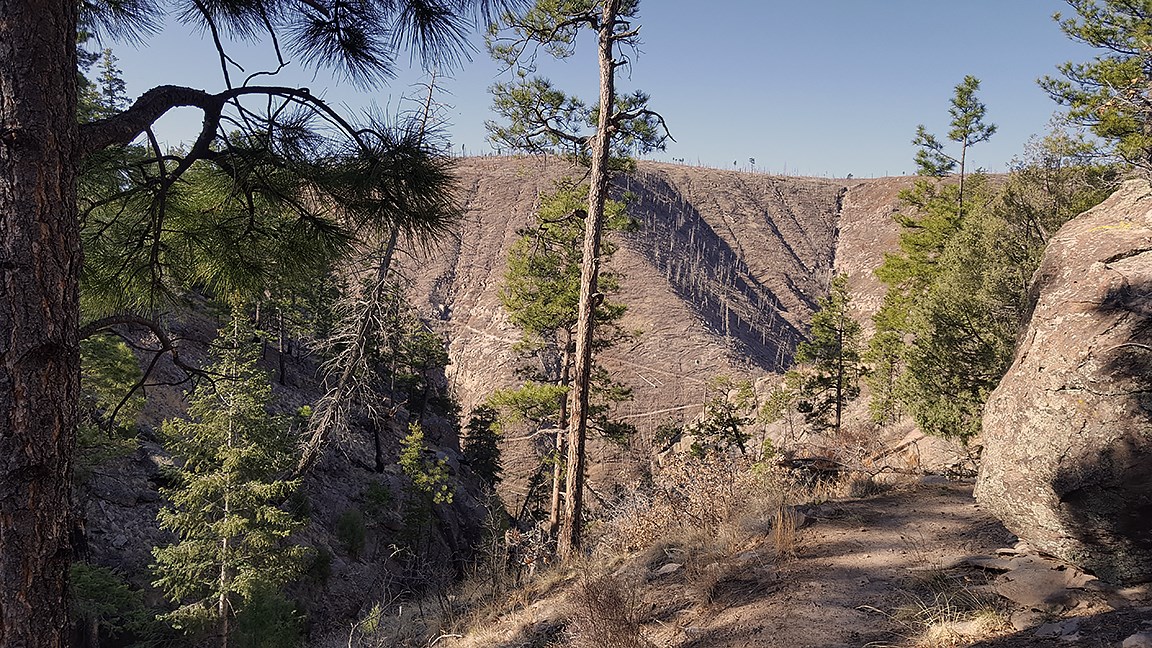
column 806, row 87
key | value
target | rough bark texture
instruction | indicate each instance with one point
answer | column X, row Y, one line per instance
column 569, row 541
column 39, row 315
column 1068, row 434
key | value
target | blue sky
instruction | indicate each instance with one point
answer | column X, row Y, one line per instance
column 806, row 87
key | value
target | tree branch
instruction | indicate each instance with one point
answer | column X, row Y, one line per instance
column 129, row 319
column 620, row 117
column 121, row 129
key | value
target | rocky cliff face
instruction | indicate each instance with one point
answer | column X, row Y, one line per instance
column 1067, row 462
column 721, row 277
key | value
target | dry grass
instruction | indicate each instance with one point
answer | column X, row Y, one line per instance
column 949, row 615
column 715, row 496
column 725, row 522
column 784, row 536
column 608, row 612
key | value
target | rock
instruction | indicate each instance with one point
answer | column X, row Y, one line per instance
column 694, row 631
column 745, row 557
column 1025, row 619
column 1138, row 640
column 1039, row 586
column 1067, row 434
column 1048, row 631
column 667, row 569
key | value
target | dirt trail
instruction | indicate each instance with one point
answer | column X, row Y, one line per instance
column 855, row 559
column 868, row 571
column 919, row 566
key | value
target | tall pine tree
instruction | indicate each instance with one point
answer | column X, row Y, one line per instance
column 541, row 294
column 541, row 118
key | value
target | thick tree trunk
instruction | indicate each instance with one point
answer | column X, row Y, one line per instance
column 39, row 316
column 569, row 541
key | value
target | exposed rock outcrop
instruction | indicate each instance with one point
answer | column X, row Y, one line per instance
column 1068, row 433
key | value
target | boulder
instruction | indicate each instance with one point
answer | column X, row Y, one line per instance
column 1067, row 434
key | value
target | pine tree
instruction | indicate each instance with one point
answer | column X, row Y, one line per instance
column 110, row 85
column 429, row 476
column 226, row 505
column 1110, row 93
column 885, row 363
column 481, row 444
column 727, row 414
column 541, row 118
column 428, row 487
column 959, row 287
column 541, row 295
column 967, row 129
column 832, row 353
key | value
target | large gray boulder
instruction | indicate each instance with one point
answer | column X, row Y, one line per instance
column 1067, row 461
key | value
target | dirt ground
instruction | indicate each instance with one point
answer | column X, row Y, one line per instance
column 916, row 566
column 899, row 570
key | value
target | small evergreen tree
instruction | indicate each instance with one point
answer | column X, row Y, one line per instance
column 429, row 476
column 726, row 417
column 111, row 86
column 225, row 504
column 482, row 444
column 428, row 486
column 832, row 351
column 967, row 128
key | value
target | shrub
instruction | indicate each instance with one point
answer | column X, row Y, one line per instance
column 701, row 494
column 351, row 531
column 608, row 613
column 268, row 620
column 103, row 599
column 377, row 499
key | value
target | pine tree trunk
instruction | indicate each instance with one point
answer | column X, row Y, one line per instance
column 561, row 424
column 963, row 160
column 557, row 476
column 39, row 316
column 282, row 343
column 222, row 602
column 377, row 448
column 840, row 370
column 569, row 540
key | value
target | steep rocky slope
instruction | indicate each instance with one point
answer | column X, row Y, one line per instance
column 720, row 278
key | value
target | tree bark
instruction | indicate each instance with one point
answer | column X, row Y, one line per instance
column 561, row 424
column 840, row 366
column 568, row 544
column 39, row 316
